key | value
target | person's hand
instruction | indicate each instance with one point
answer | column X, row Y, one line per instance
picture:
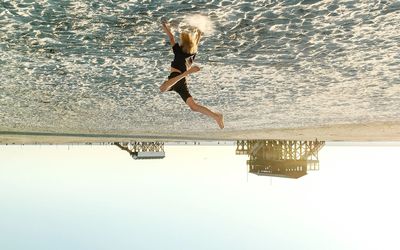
column 165, row 26
column 199, row 32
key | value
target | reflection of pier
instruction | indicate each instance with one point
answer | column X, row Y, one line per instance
column 280, row 158
column 143, row 150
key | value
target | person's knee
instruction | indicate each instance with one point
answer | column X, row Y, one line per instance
column 193, row 106
column 163, row 88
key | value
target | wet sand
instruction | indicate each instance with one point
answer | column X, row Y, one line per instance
column 388, row 131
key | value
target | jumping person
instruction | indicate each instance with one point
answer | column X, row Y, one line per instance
column 181, row 67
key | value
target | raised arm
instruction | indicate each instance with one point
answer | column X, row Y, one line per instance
column 168, row 32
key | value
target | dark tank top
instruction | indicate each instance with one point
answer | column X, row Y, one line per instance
column 182, row 61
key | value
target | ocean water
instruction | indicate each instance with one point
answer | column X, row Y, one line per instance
column 95, row 66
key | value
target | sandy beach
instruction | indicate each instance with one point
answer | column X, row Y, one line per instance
column 389, row 131
column 80, row 72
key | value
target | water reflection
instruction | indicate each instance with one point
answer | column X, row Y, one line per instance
column 92, row 192
column 277, row 158
column 143, row 150
column 280, row 158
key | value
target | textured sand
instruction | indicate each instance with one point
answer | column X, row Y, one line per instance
column 92, row 67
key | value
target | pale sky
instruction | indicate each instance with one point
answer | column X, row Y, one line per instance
column 198, row 197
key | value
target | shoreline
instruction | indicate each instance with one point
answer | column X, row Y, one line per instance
column 386, row 131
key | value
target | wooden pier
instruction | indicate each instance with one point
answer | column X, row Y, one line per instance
column 280, row 158
column 143, row 150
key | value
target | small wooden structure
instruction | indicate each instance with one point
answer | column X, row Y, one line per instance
column 280, row 158
column 143, row 150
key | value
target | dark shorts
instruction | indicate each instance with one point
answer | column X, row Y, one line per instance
column 180, row 87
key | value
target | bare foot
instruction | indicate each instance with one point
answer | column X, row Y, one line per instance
column 220, row 120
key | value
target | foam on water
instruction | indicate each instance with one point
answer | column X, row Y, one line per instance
column 96, row 66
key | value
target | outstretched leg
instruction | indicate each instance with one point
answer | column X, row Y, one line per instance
column 218, row 117
column 171, row 82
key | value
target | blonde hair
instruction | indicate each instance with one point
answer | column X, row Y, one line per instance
column 188, row 42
